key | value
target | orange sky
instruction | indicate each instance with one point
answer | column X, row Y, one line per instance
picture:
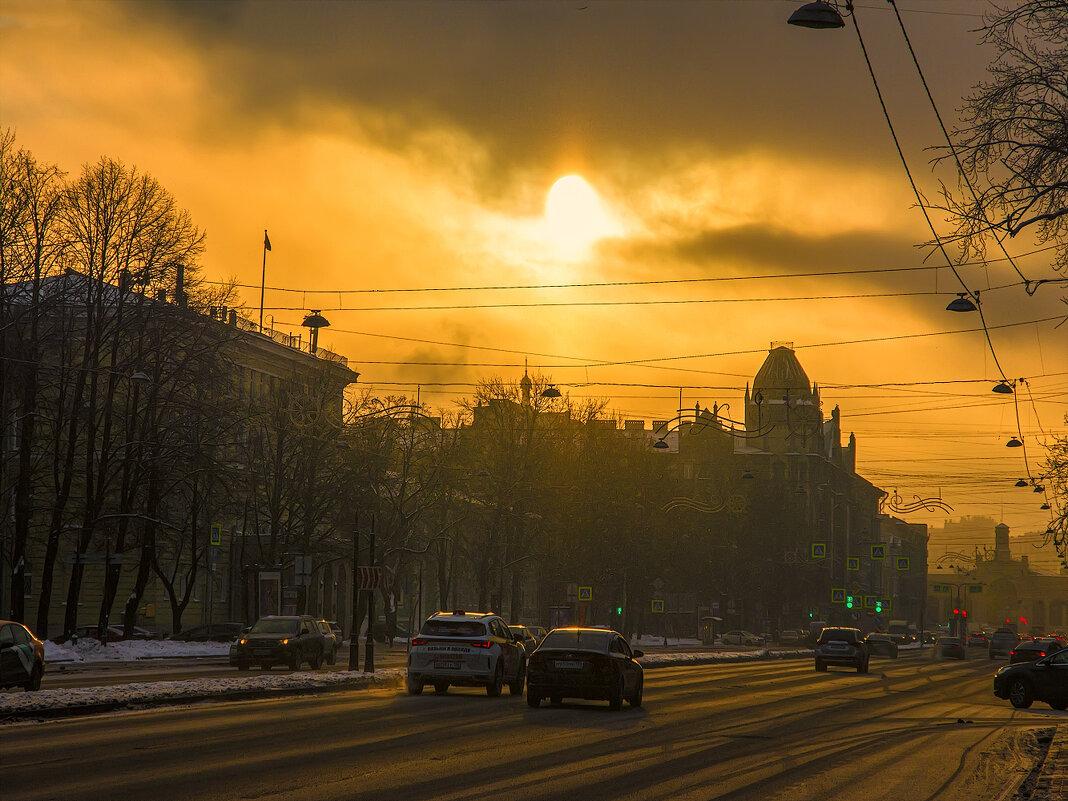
column 411, row 146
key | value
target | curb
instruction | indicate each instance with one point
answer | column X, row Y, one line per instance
column 1052, row 782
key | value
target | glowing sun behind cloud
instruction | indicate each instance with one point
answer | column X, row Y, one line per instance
column 575, row 217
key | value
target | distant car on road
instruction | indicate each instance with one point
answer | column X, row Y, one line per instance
column 882, row 644
column 524, row 637
column 539, row 632
column 740, row 637
column 585, row 663
column 1030, row 650
column 1045, row 680
column 947, row 647
column 22, row 657
column 281, row 640
column 1001, row 642
column 977, row 638
column 841, row 646
column 209, row 632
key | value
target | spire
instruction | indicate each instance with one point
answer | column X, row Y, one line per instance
column 525, row 384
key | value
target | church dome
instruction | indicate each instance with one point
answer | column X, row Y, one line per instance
column 782, row 371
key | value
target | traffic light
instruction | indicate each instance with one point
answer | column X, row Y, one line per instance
column 964, row 613
column 956, row 612
column 878, row 606
column 619, row 610
column 849, row 602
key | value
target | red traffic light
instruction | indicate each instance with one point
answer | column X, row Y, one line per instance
column 964, row 612
column 956, row 611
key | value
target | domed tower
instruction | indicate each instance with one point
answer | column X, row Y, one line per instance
column 783, row 410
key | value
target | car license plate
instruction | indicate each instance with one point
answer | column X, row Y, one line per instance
column 447, row 665
column 568, row 664
column 261, row 651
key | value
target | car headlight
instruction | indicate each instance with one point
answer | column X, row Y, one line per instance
column 284, row 642
column 242, row 641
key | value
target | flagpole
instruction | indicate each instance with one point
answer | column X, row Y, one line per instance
column 263, row 280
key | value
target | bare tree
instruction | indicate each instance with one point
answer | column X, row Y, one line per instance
column 1012, row 144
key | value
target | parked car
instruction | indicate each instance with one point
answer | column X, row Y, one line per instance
column 882, row 644
column 209, row 632
column 739, row 637
column 539, row 632
column 336, row 628
column 115, row 633
column 791, row 637
column 524, row 637
column 1031, row 650
column 585, row 663
column 466, row 649
column 331, row 642
column 1045, row 680
column 399, row 632
column 841, row 646
column 280, row 640
column 22, row 657
column 1001, row 642
column 948, row 647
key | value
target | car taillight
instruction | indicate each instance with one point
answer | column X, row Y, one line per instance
column 480, row 643
column 419, row 641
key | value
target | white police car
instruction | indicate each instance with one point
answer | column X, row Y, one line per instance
column 467, row 649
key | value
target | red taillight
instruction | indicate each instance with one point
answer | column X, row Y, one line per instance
column 480, row 643
column 419, row 641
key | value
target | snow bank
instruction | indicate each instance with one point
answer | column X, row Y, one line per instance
column 89, row 650
column 117, row 696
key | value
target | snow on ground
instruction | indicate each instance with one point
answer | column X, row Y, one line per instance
column 161, row 692
column 89, row 650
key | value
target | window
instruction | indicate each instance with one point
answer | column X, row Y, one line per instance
column 7, row 636
column 454, row 628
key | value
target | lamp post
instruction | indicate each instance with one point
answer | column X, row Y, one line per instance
column 369, row 649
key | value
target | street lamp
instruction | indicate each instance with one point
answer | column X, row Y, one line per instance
column 819, row 14
column 314, row 322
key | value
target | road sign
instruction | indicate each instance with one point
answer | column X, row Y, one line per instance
column 585, row 593
column 878, row 552
column 819, row 550
column 368, row 578
column 853, row 563
column 658, row 606
column 870, row 601
column 902, row 563
column 838, row 596
column 216, row 534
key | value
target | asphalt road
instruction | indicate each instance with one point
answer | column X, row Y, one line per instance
column 912, row 729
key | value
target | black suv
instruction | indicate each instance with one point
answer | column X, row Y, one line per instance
column 842, row 646
column 1002, row 641
column 281, row 640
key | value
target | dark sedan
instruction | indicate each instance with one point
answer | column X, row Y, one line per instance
column 1045, row 680
column 1030, row 650
column 585, row 663
column 525, row 637
column 22, row 657
column 882, row 644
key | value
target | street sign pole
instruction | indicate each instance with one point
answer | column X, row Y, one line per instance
column 369, row 653
column 354, row 624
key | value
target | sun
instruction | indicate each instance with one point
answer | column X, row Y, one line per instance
column 575, row 218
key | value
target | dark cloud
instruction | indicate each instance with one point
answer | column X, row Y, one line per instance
column 544, row 83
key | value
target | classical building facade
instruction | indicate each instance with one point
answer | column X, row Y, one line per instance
column 1000, row 590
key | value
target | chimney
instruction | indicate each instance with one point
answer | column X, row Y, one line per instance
column 179, row 285
column 233, row 317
